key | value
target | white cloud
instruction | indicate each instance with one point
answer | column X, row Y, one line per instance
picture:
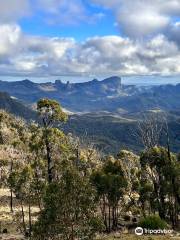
column 12, row 10
column 25, row 55
column 139, row 18
column 9, row 40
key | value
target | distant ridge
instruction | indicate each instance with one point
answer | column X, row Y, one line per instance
column 13, row 106
column 107, row 95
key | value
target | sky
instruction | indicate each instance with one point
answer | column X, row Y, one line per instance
column 83, row 39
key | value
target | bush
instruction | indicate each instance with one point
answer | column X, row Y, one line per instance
column 153, row 222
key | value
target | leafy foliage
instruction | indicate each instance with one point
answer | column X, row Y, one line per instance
column 153, row 222
column 69, row 209
column 78, row 190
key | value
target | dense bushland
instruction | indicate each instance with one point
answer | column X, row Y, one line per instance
column 79, row 191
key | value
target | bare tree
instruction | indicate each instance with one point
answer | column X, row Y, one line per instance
column 150, row 129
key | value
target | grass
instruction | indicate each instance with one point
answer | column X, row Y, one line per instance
column 134, row 237
column 7, row 218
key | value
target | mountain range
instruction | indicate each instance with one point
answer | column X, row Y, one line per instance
column 106, row 112
column 109, row 95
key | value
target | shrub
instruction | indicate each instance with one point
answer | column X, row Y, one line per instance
column 153, row 222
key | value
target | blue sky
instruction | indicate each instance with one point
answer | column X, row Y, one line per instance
column 49, row 39
column 102, row 27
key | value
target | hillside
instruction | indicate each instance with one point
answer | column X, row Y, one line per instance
column 14, row 106
column 105, row 111
column 112, row 133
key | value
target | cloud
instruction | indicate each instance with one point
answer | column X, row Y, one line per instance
column 136, row 18
column 24, row 55
column 63, row 11
column 173, row 33
column 60, row 12
column 9, row 40
column 11, row 11
column 139, row 18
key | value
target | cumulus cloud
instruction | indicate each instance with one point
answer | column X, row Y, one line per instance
column 139, row 18
column 151, row 45
column 11, row 11
column 173, row 33
column 25, row 55
column 9, row 40
column 136, row 18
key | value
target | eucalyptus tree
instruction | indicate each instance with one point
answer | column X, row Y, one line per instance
column 111, row 184
column 159, row 171
column 69, row 208
column 51, row 114
column 13, row 147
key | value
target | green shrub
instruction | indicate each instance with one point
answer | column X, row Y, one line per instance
column 153, row 222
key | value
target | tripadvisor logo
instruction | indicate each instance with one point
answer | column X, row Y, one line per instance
column 140, row 231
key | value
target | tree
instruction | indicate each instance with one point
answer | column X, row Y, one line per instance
column 13, row 139
column 50, row 113
column 150, row 129
column 110, row 183
column 69, row 209
column 132, row 169
column 159, row 170
column 86, row 157
column 20, row 181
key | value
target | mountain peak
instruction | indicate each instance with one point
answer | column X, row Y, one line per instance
column 58, row 82
column 27, row 82
column 114, row 79
column 112, row 82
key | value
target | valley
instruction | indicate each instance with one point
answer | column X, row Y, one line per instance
column 106, row 112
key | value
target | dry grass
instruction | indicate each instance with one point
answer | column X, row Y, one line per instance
column 134, row 237
column 8, row 219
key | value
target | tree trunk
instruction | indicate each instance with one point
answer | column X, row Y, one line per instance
column 109, row 218
column 104, row 214
column 48, row 154
column 30, row 222
column 11, row 191
column 114, row 218
column 11, row 200
column 23, row 217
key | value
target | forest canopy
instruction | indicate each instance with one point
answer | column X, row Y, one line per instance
column 77, row 191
